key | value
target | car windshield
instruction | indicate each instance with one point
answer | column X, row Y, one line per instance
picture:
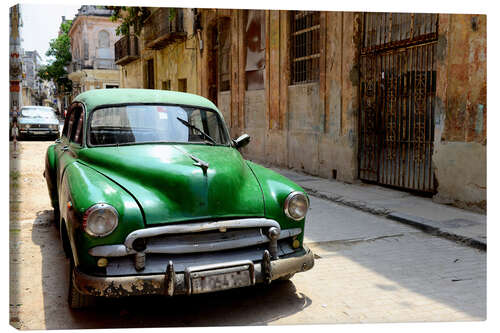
column 156, row 123
column 38, row 113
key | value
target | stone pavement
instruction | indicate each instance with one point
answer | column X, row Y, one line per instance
column 420, row 212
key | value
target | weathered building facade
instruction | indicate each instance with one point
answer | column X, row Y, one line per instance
column 93, row 36
column 394, row 99
column 165, row 55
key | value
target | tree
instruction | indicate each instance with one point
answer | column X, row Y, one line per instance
column 60, row 52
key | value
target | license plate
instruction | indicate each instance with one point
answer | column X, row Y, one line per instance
column 215, row 280
column 41, row 132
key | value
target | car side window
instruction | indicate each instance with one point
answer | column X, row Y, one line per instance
column 75, row 127
column 65, row 131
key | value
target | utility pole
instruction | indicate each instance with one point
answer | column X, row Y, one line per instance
column 15, row 65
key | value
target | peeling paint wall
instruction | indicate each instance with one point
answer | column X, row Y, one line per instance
column 460, row 118
column 176, row 62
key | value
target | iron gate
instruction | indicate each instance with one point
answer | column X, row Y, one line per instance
column 398, row 88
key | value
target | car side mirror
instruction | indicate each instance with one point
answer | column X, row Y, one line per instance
column 242, row 141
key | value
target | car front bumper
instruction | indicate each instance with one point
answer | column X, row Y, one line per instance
column 38, row 131
column 178, row 283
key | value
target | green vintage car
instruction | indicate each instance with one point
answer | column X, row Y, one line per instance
column 152, row 196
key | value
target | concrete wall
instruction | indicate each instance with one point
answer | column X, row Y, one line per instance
column 460, row 134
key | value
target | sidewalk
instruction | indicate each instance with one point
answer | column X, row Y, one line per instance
column 438, row 219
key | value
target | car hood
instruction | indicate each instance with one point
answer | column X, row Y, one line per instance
column 169, row 187
column 38, row 120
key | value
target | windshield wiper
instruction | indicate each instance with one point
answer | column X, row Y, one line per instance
column 197, row 129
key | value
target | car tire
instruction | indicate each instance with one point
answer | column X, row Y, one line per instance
column 77, row 300
column 57, row 218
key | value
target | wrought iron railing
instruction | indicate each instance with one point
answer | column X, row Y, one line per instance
column 126, row 50
column 161, row 28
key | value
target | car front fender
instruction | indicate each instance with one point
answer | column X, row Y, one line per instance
column 83, row 187
column 275, row 189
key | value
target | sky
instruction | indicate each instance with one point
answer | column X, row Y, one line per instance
column 41, row 23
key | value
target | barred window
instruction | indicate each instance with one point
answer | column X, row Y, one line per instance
column 305, row 50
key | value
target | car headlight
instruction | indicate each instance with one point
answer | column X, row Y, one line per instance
column 296, row 205
column 24, row 126
column 54, row 126
column 100, row 220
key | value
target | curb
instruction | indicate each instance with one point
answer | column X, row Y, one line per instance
column 427, row 226
column 360, row 205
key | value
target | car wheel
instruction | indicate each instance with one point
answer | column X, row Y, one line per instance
column 76, row 300
column 286, row 277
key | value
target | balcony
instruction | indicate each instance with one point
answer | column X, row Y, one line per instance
column 126, row 50
column 159, row 30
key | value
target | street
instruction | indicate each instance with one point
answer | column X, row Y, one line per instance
column 367, row 269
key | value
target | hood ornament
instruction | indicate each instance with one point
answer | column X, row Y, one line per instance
column 198, row 162
column 202, row 164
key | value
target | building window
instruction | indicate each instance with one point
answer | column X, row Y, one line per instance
column 165, row 85
column 304, row 46
column 255, row 40
column 85, row 50
column 103, row 37
column 224, row 54
column 182, row 85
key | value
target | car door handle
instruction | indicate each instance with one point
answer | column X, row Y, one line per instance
column 65, row 148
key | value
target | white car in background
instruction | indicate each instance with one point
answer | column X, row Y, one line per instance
column 38, row 121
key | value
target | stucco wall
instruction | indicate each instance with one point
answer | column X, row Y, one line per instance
column 460, row 119
column 131, row 75
column 175, row 62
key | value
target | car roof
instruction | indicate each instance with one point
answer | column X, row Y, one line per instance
column 101, row 97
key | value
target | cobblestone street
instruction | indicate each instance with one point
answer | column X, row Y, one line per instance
column 367, row 269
